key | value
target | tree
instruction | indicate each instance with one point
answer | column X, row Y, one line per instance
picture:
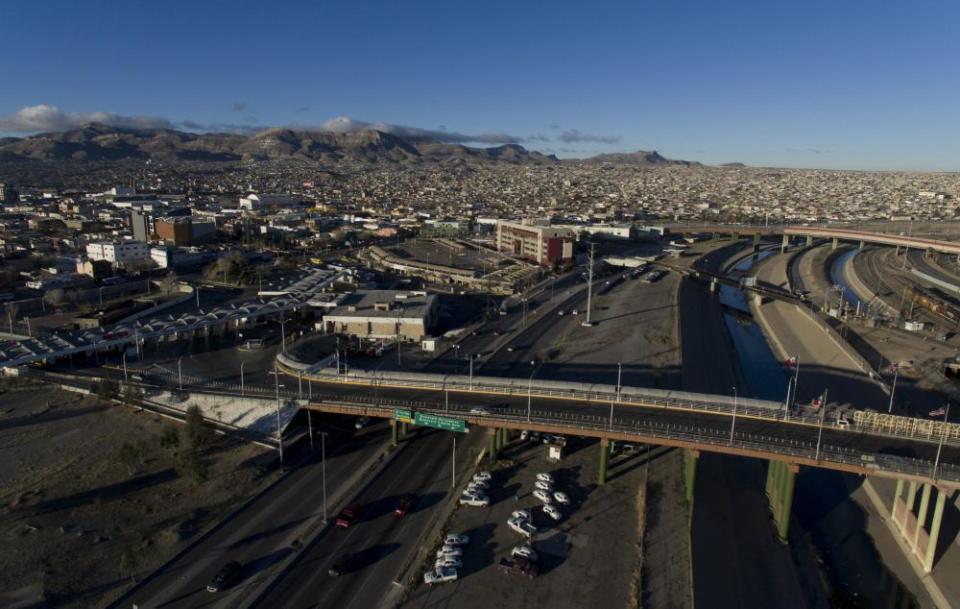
column 170, row 437
column 107, row 389
column 192, row 466
column 131, row 455
column 132, row 394
column 198, row 434
column 55, row 297
column 168, row 284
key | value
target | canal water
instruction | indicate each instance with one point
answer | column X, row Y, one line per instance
column 837, row 278
column 823, row 506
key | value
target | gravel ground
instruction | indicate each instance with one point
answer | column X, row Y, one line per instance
column 70, row 507
column 588, row 559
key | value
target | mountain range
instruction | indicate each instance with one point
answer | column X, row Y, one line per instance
column 98, row 142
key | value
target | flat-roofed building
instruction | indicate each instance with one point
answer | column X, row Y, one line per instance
column 544, row 244
column 382, row 314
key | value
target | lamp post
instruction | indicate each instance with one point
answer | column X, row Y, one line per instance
column 283, row 336
column 936, row 462
column 733, row 422
column 242, row 388
column 893, row 389
column 533, row 371
column 323, row 470
column 619, row 376
column 180, row 372
column 823, row 414
column 124, row 358
column 470, row 357
column 276, row 381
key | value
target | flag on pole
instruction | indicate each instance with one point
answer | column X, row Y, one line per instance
column 790, row 362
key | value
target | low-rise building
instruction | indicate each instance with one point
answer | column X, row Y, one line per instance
column 383, row 314
column 544, row 244
column 119, row 253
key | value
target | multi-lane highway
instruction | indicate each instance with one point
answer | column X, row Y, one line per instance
column 381, row 542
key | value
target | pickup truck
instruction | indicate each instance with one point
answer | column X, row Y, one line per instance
column 518, row 566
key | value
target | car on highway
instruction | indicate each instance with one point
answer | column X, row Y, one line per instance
column 340, row 566
column 524, row 551
column 225, row 577
column 518, row 566
column 439, row 576
column 543, row 486
column 474, row 500
column 552, row 511
column 544, row 477
column 453, row 539
column 480, row 410
column 543, row 496
column 349, row 516
column 447, row 562
column 524, row 435
column 524, row 527
column 483, row 476
column 361, row 422
column 403, row 505
column 575, row 312
column 450, row 551
column 520, row 514
column 561, row 498
column 561, row 312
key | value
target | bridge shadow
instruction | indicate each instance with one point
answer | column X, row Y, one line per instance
column 49, row 417
column 107, row 492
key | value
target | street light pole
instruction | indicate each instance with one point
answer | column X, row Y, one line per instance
column 530, row 389
column 323, row 470
column 470, row 355
column 733, row 422
column 276, row 381
column 180, row 372
column 283, row 336
column 893, row 389
column 823, row 413
column 619, row 376
column 124, row 367
column 936, row 462
column 453, row 463
column 242, row 388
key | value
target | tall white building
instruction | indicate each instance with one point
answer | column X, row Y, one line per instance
column 119, row 253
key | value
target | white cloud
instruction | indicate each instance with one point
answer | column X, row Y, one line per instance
column 575, row 135
column 345, row 124
column 43, row 117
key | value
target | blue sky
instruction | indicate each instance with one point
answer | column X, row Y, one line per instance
column 807, row 84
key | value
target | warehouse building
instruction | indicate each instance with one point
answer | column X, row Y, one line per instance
column 379, row 314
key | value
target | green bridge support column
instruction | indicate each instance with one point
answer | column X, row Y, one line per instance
column 784, row 244
column 893, row 506
column 756, row 241
column 909, row 501
column 393, row 433
column 604, row 450
column 934, row 536
column 921, row 515
column 690, row 459
column 861, row 244
column 494, row 449
column 781, row 480
column 834, row 244
column 403, row 429
column 735, row 236
column 809, row 240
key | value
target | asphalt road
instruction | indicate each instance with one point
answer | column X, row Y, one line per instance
column 380, row 543
column 260, row 535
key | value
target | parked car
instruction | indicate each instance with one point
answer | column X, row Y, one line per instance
column 524, row 527
column 518, row 566
column 349, row 516
column 451, row 551
column 480, row 484
column 225, row 577
column 439, row 576
column 483, row 476
column 403, row 506
column 453, row 539
column 524, row 551
column 520, row 514
column 474, row 500
column 340, row 566
column 552, row 511
column 561, row 498
column 544, row 477
column 543, row 496
column 543, row 486
column 447, row 562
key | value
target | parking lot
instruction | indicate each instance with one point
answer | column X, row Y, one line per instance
column 599, row 528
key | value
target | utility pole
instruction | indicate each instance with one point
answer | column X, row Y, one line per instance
column 893, row 389
column 823, row 414
column 588, row 322
column 276, row 380
column 936, row 462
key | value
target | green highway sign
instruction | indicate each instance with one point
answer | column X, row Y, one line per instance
column 445, row 423
column 405, row 416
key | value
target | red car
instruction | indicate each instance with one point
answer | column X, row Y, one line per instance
column 403, row 506
column 350, row 515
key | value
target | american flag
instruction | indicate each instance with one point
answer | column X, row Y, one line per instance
column 939, row 412
column 890, row 369
column 790, row 362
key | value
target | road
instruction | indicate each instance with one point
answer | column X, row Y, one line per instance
column 261, row 534
column 381, row 542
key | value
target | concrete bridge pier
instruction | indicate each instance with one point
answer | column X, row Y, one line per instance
column 809, row 240
column 781, row 480
column 394, row 433
column 735, row 236
column 921, row 540
column 494, row 452
column 604, row 453
column 690, row 459
column 784, row 244
column 862, row 243
column 834, row 243
column 713, row 285
column 756, row 242
column 756, row 298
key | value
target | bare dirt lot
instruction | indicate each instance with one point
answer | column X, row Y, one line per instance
column 91, row 497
